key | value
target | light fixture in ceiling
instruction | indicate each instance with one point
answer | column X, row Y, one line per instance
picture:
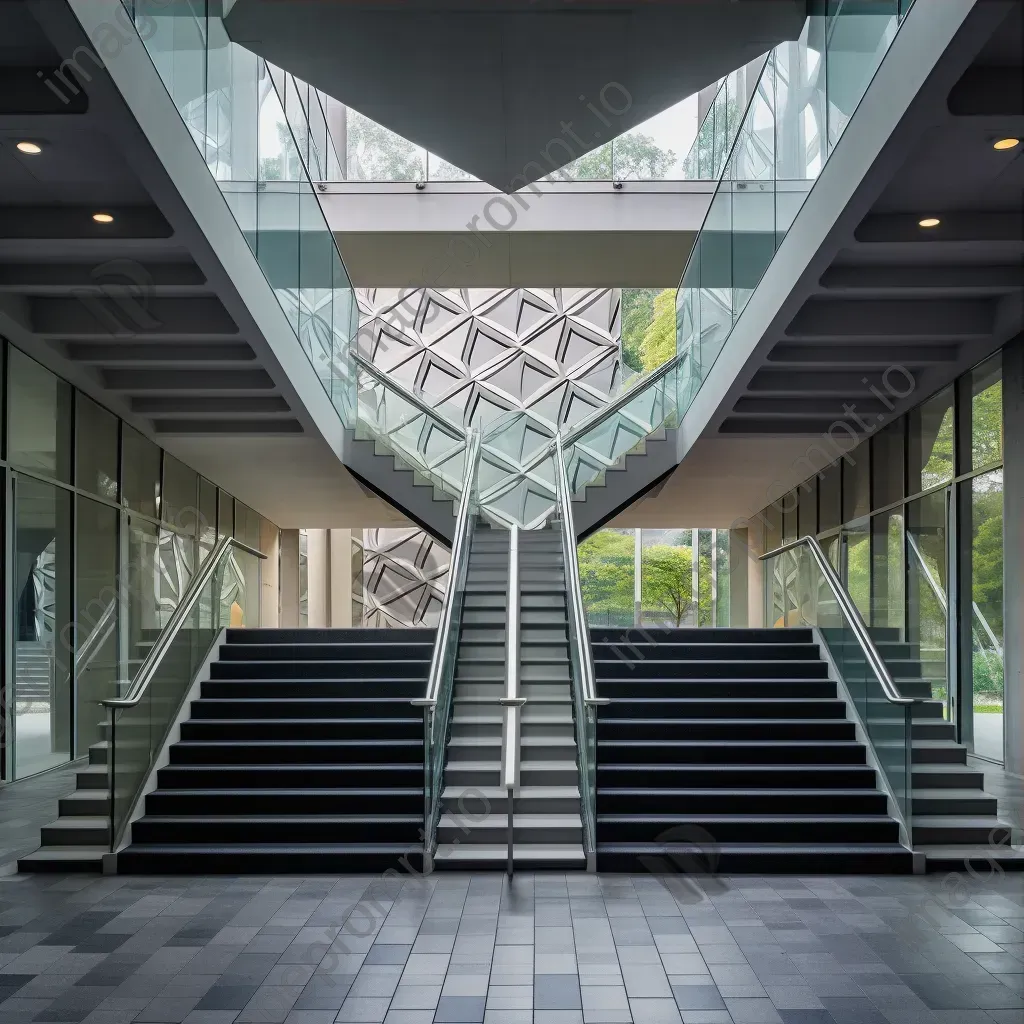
column 103, row 218
column 1007, row 143
column 929, row 222
column 29, row 148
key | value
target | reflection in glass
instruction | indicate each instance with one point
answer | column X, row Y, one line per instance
column 986, row 429
column 887, row 572
column 887, row 465
column 43, row 610
column 140, row 472
column 858, row 566
column 930, row 442
column 986, row 614
column 95, row 448
column 830, row 512
column 96, row 637
column 857, row 482
column 807, row 514
column 927, row 587
column 39, row 437
column 179, row 495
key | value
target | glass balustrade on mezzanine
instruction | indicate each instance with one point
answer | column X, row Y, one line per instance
column 261, row 145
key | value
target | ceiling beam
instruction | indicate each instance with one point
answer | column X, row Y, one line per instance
column 131, row 381
column 894, row 318
column 988, row 92
column 843, row 384
column 824, row 407
column 88, row 316
column 147, row 353
column 227, row 426
column 109, row 276
column 863, row 355
column 804, row 427
column 955, row 226
column 875, row 278
column 76, row 222
column 199, row 406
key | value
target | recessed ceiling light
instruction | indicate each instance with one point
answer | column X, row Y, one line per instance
column 103, row 218
column 29, row 148
column 929, row 222
column 1009, row 143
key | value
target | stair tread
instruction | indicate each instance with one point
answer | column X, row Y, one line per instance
column 499, row 852
column 964, row 851
column 81, row 821
column 533, row 819
column 745, row 818
column 760, row 794
column 286, row 819
column 523, row 793
column 280, row 848
column 804, row 848
column 66, row 853
column 957, row 821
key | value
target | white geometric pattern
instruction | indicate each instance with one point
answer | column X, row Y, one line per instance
column 552, row 356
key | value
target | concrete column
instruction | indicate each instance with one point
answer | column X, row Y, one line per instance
column 317, row 583
column 341, row 582
column 270, row 575
column 739, row 598
column 290, row 578
column 1013, row 552
column 755, row 573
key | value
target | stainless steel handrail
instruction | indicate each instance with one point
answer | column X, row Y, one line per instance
column 511, row 702
column 851, row 612
column 188, row 601
column 573, row 586
column 437, row 659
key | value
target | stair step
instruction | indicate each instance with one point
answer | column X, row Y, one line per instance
column 754, row 858
column 534, row 856
column 64, row 859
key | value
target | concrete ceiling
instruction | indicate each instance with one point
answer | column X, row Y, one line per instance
column 508, row 89
column 139, row 313
column 884, row 292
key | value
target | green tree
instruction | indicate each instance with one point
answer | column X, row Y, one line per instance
column 667, row 581
column 635, row 315
column 659, row 340
column 629, row 157
column 714, row 141
column 377, row 154
column 606, row 574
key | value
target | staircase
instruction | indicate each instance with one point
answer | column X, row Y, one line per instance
column 730, row 750
column 473, row 830
column 301, row 754
column 33, row 671
column 952, row 814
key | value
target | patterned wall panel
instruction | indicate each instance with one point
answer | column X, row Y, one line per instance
column 478, row 353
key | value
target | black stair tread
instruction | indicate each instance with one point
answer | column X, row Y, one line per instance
column 804, row 848
column 730, row 743
column 354, row 719
column 730, row 699
column 284, row 819
column 775, row 791
column 682, row 723
column 305, row 743
column 277, row 848
column 743, row 818
column 262, row 791
column 724, row 766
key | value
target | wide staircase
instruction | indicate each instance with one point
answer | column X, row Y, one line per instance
column 473, row 829
column 731, row 750
column 301, row 753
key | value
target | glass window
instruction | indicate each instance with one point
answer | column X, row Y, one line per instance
column 986, row 613
column 887, row 465
column 830, row 511
column 140, row 472
column 789, row 503
column 247, row 525
column 667, row 580
column 39, row 437
column 984, row 384
column 179, row 495
column 807, row 514
column 43, row 615
column 887, row 571
column 207, row 517
column 225, row 514
column 856, row 483
column 723, row 574
column 858, row 567
column 930, row 443
column 96, row 662
column 773, row 527
column 927, row 587
column 95, row 448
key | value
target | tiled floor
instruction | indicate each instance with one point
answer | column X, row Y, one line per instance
column 548, row 949
column 24, row 808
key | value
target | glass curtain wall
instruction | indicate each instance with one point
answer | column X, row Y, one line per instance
column 913, row 520
column 683, row 577
column 104, row 533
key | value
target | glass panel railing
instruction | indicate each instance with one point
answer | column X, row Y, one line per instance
column 437, row 701
column 224, row 592
column 793, row 118
column 802, row 589
column 262, row 143
column 585, row 700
